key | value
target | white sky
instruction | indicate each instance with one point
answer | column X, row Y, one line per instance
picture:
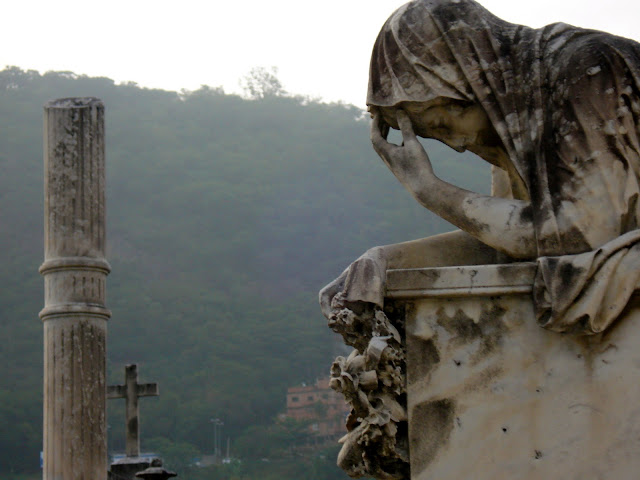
column 321, row 48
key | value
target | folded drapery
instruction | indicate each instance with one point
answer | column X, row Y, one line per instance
column 565, row 102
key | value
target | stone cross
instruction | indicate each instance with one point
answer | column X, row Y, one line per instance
column 130, row 391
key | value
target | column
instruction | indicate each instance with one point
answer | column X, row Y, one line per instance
column 74, row 270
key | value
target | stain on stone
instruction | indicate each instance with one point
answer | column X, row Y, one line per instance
column 432, row 275
column 435, row 420
column 489, row 329
column 422, row 357
column 465, row 222
column 579, row 407
column 132, row 425
column 509, row 274
column 591, row 348
column 463, row 329
column 483, row 379
column 526, row 215
column 493, row 330
column 568, row 272
column 397, row 313
column 538, row 455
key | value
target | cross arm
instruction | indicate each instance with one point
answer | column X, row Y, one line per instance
column 148, row 390
column 116, row 391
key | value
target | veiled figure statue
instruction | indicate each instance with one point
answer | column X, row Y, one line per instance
column 556, row 111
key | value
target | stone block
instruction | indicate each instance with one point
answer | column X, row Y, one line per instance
column 490, row 394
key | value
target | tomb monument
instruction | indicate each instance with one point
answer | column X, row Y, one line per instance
column 507, row 348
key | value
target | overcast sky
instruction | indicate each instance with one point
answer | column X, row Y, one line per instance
column 321, row 48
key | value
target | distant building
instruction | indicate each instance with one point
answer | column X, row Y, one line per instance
column 325, row 408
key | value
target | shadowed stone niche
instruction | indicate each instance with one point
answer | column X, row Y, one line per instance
column 507, row 348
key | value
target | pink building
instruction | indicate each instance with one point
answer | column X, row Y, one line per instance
column 318, row 403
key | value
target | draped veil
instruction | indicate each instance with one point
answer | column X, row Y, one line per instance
column 565, row 103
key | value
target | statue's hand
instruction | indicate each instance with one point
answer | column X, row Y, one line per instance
column 409, row 162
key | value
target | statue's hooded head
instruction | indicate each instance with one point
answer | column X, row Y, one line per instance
column 412, row 60
column 415, row 66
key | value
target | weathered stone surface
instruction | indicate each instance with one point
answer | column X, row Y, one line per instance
column 74, row 271
column 372, row 379
column 555, row 111
column 492, row 395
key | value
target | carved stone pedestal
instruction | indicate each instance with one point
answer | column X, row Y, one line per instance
column 491, row 395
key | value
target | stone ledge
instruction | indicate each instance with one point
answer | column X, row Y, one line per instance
column 463, row 281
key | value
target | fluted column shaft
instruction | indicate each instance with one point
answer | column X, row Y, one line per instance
column 74, row 270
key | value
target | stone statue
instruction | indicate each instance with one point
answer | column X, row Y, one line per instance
column 556, row 113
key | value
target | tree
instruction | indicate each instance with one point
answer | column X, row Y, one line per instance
column 261, row 83
column 232, row 216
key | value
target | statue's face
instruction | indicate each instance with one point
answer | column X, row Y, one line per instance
column 462, row 126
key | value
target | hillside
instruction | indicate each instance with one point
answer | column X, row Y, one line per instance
column 225, row 217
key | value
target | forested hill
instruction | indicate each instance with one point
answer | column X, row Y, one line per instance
column 225, row 217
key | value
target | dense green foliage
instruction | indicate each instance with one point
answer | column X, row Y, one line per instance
column 225, row 217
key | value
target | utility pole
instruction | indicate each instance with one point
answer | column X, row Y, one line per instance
column 217, row 433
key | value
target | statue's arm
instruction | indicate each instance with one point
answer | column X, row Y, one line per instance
column 504, row 224
column 443, row 250
column 364, row 280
